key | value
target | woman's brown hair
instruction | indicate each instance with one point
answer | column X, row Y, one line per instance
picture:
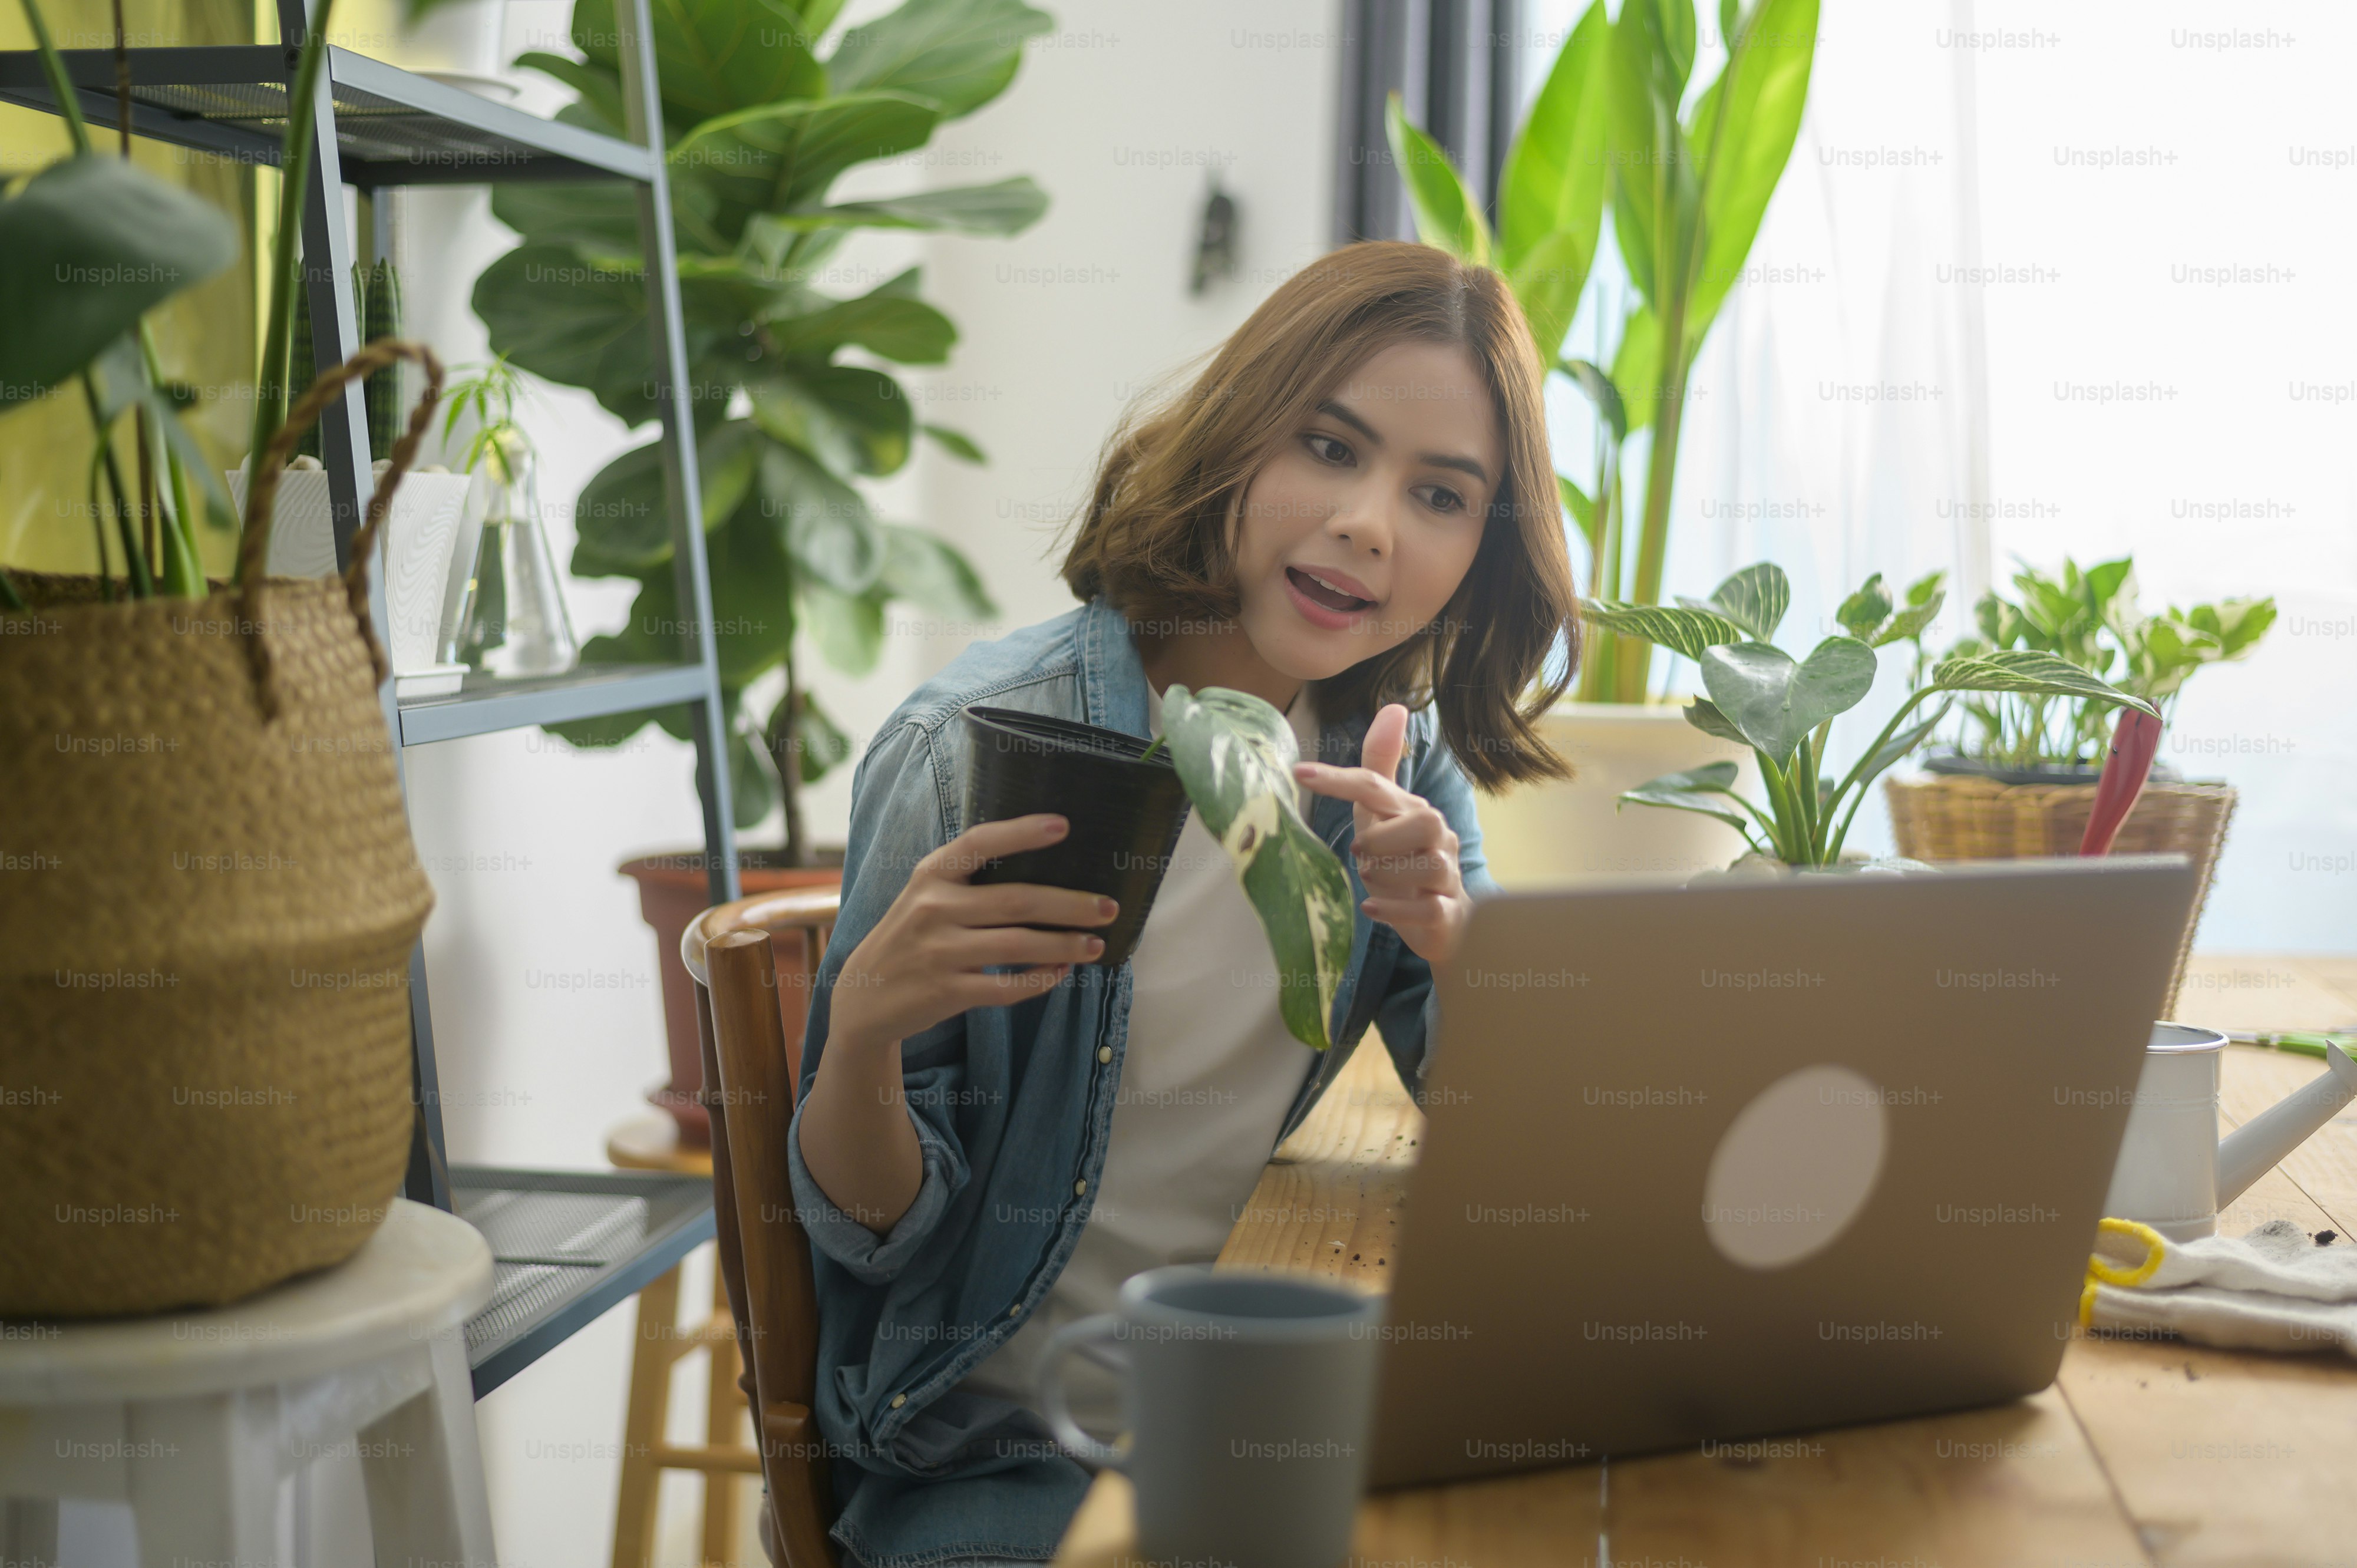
column 1154, row 540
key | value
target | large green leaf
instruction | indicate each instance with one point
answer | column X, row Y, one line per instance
column 1546, row 283
column 1555, row 173
column 888, row 323
column 574, row 322
column 753, row 600
column 584, row 323
column 87, row 246
column 1637, row 368
column 1681, row 630
column 600, row 216
column 926, row 570
column 819, row 745
column 1646, row 146
column 779, row 157
column 621, row 526
column 848, row 628
column 1004, row 207
column 1703, row 714
column 1762, row 91
column 1755, row 598
column 852, row 419
column 713, row 56
column 599, row 88
column 1700, row 790
column 1775, row 702
column 823, row 522
column 1447, row 215
column 957, row 55
column 2029, row 672
column 1235, row 754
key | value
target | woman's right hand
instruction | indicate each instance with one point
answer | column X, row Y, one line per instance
column 924, row 961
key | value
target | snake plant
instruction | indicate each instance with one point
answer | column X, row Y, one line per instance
column 1783, row 708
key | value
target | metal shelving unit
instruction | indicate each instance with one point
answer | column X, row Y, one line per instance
column 568, row 1245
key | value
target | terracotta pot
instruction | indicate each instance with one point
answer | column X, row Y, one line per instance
column 672, row 892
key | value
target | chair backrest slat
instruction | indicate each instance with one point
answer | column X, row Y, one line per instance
column 749, row 1077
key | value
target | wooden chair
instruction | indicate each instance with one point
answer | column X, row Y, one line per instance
column 744, row 957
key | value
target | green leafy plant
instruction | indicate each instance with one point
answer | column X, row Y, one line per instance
column 2089, row 617
column 1689, row 187
column 1783, row 708
column 1235, row 754
column 759, row 129
column 88, row 246
column 485, row 396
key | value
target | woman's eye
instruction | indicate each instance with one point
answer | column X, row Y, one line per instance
column 1327, row 449
column 1441, row 497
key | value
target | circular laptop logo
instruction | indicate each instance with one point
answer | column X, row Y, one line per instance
column 1795, row 1168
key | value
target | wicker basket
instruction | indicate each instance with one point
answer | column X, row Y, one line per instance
column 206, row 919
column 1959, row 817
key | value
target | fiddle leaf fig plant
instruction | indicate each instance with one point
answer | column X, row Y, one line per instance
column 1783, row 708
column 1235, row 754
column 795, row 404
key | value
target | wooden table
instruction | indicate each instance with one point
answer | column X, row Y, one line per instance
column 2160, row 1454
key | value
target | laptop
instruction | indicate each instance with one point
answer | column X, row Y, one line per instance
column 1758, row 1157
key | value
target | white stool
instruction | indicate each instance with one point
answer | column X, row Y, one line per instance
column 192, row 1418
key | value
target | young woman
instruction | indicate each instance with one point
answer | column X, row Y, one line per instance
column 1350, row 513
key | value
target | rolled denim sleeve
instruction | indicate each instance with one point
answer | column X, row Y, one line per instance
column 1409, row 1016
column 897, row 819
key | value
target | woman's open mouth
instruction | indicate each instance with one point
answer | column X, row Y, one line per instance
column 1322, row 603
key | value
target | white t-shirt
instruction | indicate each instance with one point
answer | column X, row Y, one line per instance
column 1207, row 1078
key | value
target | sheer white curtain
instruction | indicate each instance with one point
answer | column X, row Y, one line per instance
column 2059, row 278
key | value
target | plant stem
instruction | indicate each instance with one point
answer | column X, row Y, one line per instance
column 142, row 585
column 122, row 80
column 53, row 66
column 1148, row 753
column 785, row 751
column 293, row 177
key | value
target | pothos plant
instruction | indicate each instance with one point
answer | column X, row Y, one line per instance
column 2090, row 618
column 1235, row 754
column 759, row 127
column 1783, row 708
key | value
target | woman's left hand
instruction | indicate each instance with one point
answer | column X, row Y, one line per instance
column 1406, row 850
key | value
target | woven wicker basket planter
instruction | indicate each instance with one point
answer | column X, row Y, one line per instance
column 207, row 908
column 1965, row 817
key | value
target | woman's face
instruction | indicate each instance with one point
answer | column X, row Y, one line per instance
column 1359, row 528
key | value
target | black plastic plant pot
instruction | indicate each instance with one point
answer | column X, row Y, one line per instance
column 1127, row 810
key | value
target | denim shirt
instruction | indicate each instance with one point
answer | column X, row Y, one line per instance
column 1013, row 1108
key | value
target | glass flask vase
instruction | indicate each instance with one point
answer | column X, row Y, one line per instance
column 515, row 622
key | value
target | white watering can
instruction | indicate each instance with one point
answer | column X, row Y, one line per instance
column 2174, row 1174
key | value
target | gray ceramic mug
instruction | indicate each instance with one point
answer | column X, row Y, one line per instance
column 1247, row 1399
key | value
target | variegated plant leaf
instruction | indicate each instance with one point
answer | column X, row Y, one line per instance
column 1699, row 790
column 2029, row 672
column 1755, row 598
column 1235, row 754
column 1686, row 632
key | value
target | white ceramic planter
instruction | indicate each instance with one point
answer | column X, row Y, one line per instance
column 1551, row 834
column 420, row 535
